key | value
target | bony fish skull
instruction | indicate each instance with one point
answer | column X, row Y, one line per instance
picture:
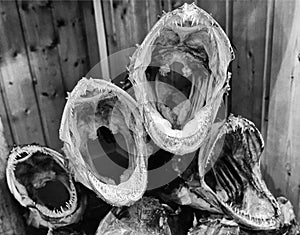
column 179, row 75
column 94, row 104
column 226, row 178
column 229, row 170
column 30, row 170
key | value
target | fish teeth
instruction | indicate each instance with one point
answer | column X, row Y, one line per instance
column 258, row 220
column 161, row 222
column 193, row 21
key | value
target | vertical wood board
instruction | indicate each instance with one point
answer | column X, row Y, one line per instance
column 90, row 31
column 42, row 40
column 16, row 80
column 10, row 219
column 72, row 41
column 281, row 164
column 248, row 37
column 5, row 120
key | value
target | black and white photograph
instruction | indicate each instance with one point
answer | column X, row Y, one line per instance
column 149, row 117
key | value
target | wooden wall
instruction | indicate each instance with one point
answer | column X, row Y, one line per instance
column 282, row 156
column 46, row 46
column 10, row 220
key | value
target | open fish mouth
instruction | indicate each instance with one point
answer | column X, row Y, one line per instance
column 99, row 110
column 225, row 178
column 179, row 75
column 39, row 180
column 229, row 170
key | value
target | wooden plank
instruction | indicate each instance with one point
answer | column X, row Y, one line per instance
column 16, row 80
column 10, row 219
column 267, row 68
column 249, row 29
column 281, row 163
column 110, row 27
column 101, row 40
column 90, row 31
column 229, row 18
column 5, row 120
column 154, row 10
column 123, row 23
column 72, row 46
column 228, row 30
column 124, row 30
column 42, row 42
column 217, row 8
column 166, row 5
column 140, row 20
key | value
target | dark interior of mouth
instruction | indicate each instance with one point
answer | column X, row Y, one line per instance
column 46, row 182
column 112, row 150
column 158, row 159
column 111, row 146
column 232, row 179
column 179, row 76
column 115, row 153
column 54, row 194
column 173, row 176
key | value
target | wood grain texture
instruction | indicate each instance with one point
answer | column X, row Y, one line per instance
column 166, row 5
column 154, row 11
column 267, row 67
column 126, row 24
column 16, row 79
column 42, row 41
column 108, row 7
column 281, row 163
column 217, row 9
column 90, row 32
column 248, row 37
column 121, row 24
column 5, row 119
column 72, row 41
column 11, row 222
column 102, row 45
